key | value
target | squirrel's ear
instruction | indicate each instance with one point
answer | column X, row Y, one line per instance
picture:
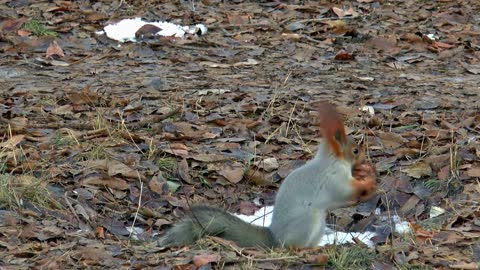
column 331, row 125
column 339, row 137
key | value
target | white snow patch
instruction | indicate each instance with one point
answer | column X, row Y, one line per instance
column 263, row 217
column 125, row 29
column 368, row 109
column 135, row 232
column 334, row 237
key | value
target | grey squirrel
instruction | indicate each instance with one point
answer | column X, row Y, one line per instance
column 301, row 204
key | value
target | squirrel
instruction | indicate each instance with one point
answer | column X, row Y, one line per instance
column 337, row 176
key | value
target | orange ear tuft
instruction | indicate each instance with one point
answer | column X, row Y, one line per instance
column 331, row 125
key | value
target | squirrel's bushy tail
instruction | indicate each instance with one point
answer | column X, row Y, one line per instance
column 208, row 221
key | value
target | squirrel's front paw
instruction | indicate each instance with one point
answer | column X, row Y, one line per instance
column 363, row 171
column 364, row 181
column 364, row 189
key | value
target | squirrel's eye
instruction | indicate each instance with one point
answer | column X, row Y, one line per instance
column 355, row 151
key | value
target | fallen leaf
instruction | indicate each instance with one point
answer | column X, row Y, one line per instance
column 391, row 140
column 247, row 208
column 54, row 49
column 427, row 103
column 441, row 45
column 13, row 24
column 418, row 170
column 436, row 211
column 344, row 55
column 232, row 172
column 18, row 123
column 238, row 19
column 474, row 171
column 386, row 45
column 343, row 13
column 112, row 182
column 146, row 31
column 184, row 171
column 11, row 143
column 268, row 164
column 117, row 168
column 444, row 173
column 464, row 266
column 157, row 184
column 100, row 232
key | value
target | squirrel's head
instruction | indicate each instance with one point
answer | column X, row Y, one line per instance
column 333, row 132
column 353, row 152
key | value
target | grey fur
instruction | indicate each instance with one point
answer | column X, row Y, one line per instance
column 205, row 220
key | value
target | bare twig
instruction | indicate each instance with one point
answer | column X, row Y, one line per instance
column 71, row 207
column 224, row 26
column 119, row 5
column 242, row 254
column 154, row 119
column 139, row 205
column 324, row 19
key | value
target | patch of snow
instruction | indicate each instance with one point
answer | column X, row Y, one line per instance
column 135, row 232
column 263, row 217
column 368, row 109
column 335, row 237
column 125, row 29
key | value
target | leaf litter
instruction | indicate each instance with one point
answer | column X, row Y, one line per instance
column 97, row 139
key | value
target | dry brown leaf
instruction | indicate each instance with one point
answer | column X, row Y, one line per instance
column 184, row 171
column 54, row 49
column 13, row 24
column 157, row 184
column 93, row 255
column 96, row 16
column 63, row 110
column 209, row 157
column 203, row 259
column 232, row 172
column 268, row 164
column 84, row 97
column 343, row 13
column 258, row 177
column 247, row 208
column 391, row 140
column 148, row 30
column 444, row 173
column 410, row 204
column 418, row 170
column 384, row 44
column 18, row 123
column 100, row 232
column 474, row 171
column 11, row 143
column 117, row 168
column 464, row 266
column 447, row 237
column 112, row 182
column 238, row 19
column 344, row 55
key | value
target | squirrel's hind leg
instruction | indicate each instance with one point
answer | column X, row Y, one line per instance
column 304, row 229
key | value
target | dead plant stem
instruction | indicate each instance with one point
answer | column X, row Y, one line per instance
column 138, row 206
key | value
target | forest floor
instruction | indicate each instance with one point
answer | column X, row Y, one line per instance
column 98, row 137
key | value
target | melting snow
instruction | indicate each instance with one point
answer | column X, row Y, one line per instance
column 125, row 29
column 263, row 217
